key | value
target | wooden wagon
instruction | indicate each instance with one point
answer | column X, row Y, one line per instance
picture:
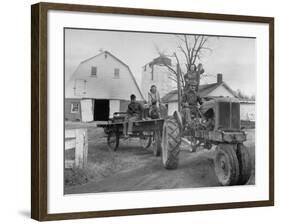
column 148, row 131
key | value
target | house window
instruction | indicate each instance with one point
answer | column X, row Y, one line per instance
column 74, row 109
column 94, row 71
column 116, row 72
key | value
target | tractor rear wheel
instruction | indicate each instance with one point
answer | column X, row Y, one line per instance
column 245, row 164
column 171, row 139
column 226, row 164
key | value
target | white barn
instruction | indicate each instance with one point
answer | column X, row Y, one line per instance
column 217, row 89
column 100, row 86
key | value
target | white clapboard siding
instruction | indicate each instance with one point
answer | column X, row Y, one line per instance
column 77, row 139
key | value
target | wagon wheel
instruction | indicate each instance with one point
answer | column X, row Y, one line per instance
column 113, row 141
column 245, row 164
column 145, row 140
column 171, row 140
column 157, row 143
column 226, row 164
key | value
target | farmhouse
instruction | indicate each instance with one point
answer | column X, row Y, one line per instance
column 100, row 86
column 217, row 89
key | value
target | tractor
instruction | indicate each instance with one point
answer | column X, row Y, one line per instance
column 216, row 124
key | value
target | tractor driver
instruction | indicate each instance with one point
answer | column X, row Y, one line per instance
column 190, row 100
column 134, row 113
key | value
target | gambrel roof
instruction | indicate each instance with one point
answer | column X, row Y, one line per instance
column 104, row 86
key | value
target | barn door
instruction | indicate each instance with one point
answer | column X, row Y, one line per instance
column 87, row 110
column 114, row 106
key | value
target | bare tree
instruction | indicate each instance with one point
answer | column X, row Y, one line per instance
column 190, row 50
column 243, row 96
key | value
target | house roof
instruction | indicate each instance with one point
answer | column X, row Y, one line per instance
column 117, row 59
column 169, row 95
column 204, row 90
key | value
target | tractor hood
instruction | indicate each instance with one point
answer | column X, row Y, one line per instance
column 211, row 104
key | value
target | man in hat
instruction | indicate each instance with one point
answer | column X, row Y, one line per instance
column 134, row 112
column 190, row 100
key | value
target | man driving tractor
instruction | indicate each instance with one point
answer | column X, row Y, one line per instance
column 190, row 100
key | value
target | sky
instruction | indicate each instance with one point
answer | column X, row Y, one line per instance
column 234, row 57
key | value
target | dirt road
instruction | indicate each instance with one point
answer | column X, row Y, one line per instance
column 195, row 170
column 132, row 168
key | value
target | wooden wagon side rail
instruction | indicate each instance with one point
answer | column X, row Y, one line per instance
column 143, row 124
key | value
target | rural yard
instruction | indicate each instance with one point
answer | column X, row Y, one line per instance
column 132, row 168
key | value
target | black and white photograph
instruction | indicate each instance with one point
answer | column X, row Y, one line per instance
column 155, row 111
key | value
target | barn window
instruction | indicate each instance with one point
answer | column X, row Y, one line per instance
column 116, row 72
column 74, row 108
column 94, row 71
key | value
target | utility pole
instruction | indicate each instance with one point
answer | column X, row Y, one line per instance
column 179, row 86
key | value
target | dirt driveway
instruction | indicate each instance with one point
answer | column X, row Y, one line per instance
column 132, row 168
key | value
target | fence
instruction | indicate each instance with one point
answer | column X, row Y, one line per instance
column 77, row 139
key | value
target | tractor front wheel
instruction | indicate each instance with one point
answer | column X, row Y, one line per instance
column 226, row 164
column 171, row 140
column 245, row 164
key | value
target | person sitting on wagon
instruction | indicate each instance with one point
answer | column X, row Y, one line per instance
column 190, row 100
column 154, row 102
column 134, row 113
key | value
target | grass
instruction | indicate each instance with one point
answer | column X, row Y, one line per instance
column 101, row 161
